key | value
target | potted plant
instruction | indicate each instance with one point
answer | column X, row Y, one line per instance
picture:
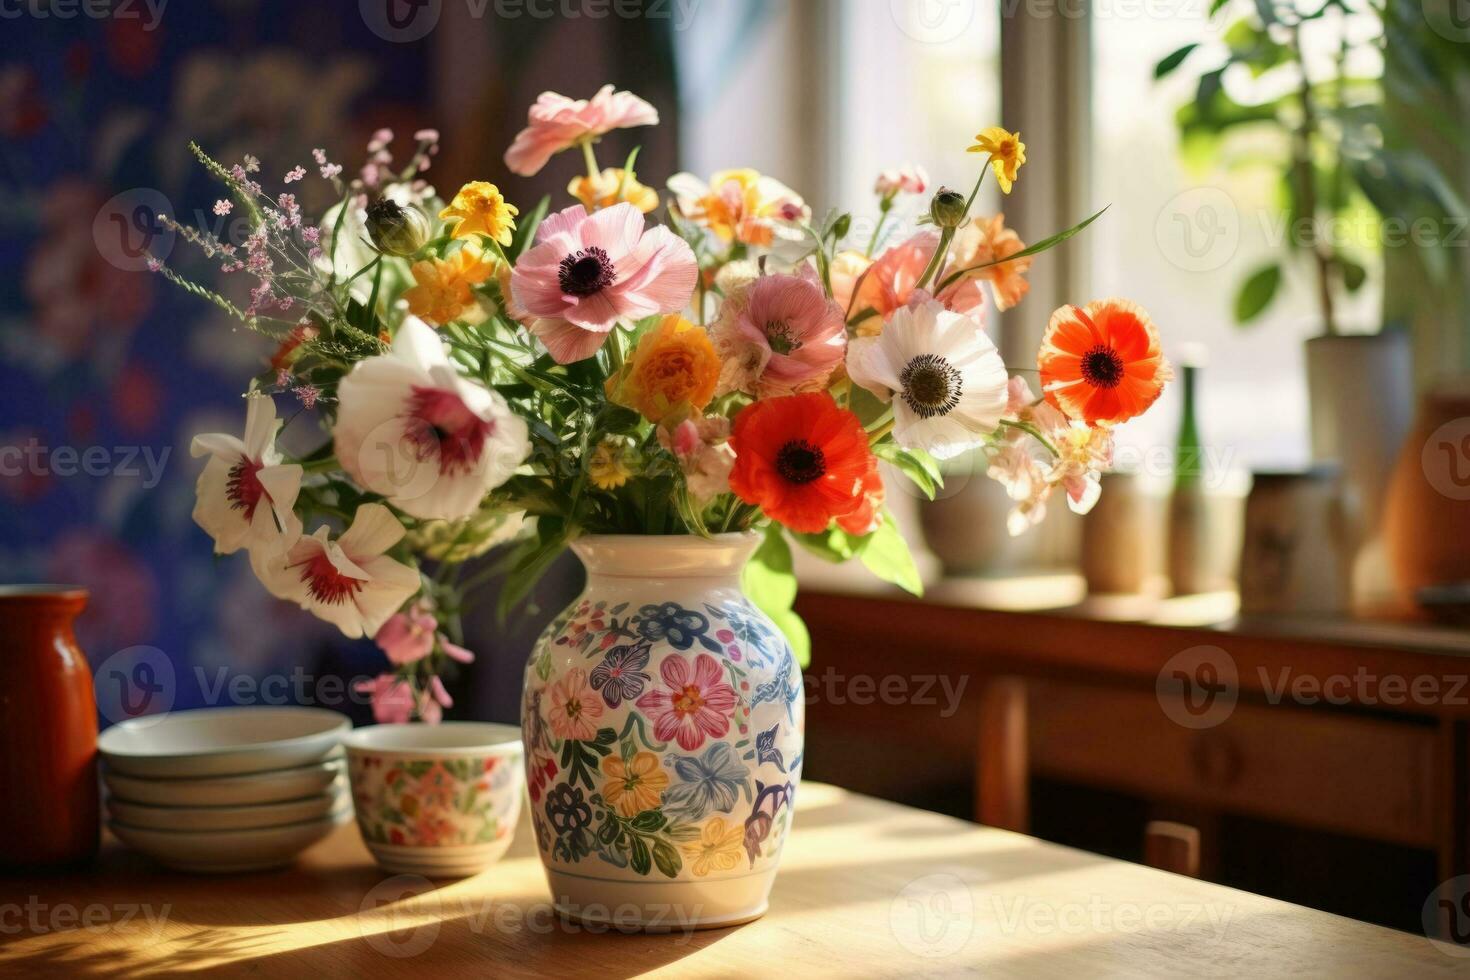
column 1352, row 184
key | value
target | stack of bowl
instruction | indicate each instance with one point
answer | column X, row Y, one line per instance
column 226, row 789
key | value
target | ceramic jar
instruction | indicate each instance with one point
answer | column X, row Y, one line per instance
column 1427, row 518
column 662, row 716
column 48, row 730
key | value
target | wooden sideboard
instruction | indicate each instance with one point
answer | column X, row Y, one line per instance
column 1333, row 731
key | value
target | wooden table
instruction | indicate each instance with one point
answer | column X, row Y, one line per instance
column 867, row 888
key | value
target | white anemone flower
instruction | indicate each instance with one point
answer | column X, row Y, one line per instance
column 349, row 582
column 244, row 497
column 946, row 379
column 412, row 428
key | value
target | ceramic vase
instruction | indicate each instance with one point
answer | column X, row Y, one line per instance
column 48, row 730
column 1427, row 517
column 662, row 717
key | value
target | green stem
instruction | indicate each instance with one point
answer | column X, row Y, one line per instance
column 937, row 259
column 1033, row 432
column 592, row 169
column 320, row 465
column 883, row 208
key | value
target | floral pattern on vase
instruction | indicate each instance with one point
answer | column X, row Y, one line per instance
column 663, row 738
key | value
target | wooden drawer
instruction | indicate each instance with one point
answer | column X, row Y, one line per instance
column 1325, row 769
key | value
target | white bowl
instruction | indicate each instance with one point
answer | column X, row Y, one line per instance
column 247, row 790
column 225, row 851
column 221, row 741
column 186, row 818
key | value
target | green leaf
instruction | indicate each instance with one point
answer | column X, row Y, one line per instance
column 1257, row 292
column 795, row 631
column 915, row 464
column 531, row 560
column 525, row 232
column 1173, row 60
column 886, row 554
column 1211, row 83
column 832, row 545
column 1039, row 247
column 648, row 822
column 770, row 582
column 639, row 857
column 1353, row 274
column 666, row 856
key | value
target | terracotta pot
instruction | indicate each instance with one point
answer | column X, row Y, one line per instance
column 662, row 717
column 48, row 730
column 1427, row 516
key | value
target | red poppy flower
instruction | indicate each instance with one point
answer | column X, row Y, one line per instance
column 805, row 462
column 1101, row 362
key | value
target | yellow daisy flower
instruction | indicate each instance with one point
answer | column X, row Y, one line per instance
column 613, row 186
column 608, row 468
column 635, row 785
column 480, row 209
column 1007, row 153
column 718, row 847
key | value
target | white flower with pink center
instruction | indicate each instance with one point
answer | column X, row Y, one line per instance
column 412, row 428
column 245, row 496
column 349, row 582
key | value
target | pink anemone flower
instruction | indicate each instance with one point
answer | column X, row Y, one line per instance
column 555, row 123
column 798, row 332
column 588, row 271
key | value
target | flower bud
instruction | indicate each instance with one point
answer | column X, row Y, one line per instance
column 396, row 229
column 947, row 209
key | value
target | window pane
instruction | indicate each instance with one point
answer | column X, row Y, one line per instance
column 1189, row 224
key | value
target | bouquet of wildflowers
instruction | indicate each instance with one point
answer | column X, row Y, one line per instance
column 486, row 374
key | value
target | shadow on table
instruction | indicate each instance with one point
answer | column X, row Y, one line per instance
column 85, row 959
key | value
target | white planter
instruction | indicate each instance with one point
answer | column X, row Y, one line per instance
column 662, row 716
column 1361, row 390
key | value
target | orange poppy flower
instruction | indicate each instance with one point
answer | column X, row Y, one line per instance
column 805, row 462
column 1101, row 363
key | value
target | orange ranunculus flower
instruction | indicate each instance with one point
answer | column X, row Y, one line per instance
column 673, row 368
column 1101, row 363
column 984, row 241
column 610, row 187
column 443, row 286
column 806, row 462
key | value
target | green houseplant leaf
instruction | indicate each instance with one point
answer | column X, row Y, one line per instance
column 1257, row 293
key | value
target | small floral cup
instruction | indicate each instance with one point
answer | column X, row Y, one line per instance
column 436, row 800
